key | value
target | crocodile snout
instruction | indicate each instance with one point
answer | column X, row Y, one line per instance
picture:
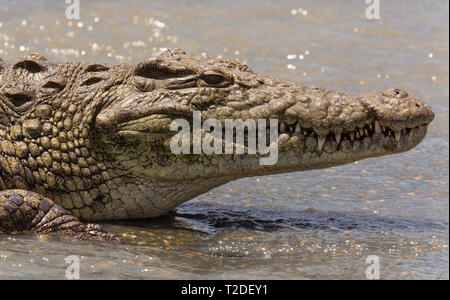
column 397, row 109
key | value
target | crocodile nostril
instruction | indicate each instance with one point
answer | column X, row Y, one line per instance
column 400, row 93
column 19, row 100
column 395, row 93
column 418, row 105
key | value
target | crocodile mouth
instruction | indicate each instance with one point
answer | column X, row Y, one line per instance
column 371, row 138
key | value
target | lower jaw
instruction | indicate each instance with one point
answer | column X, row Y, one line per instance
column 296, row 154
column 293, row 157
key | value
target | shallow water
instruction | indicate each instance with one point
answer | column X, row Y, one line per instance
column 315, row 224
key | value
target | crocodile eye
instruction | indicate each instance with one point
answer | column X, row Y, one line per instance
column 213, row 79
column 143, row 84
column 158, row 70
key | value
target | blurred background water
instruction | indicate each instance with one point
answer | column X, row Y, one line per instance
column 315, row 224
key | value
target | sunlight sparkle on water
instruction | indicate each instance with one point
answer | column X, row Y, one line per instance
column 291, row 67
column 299, row 11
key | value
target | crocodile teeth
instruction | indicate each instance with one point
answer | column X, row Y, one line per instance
column 366, row 133
column 398, row 135
column 298, row 129
column 282, row 126
column 358, row 135
column 290, row 121
column 411, row 131
column 377, row 127
column 352, row 136
column 305, row 132
column 361, row 131
column 321, row 142
column 338, row 137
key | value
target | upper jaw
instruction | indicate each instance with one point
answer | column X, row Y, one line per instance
column 391, row 119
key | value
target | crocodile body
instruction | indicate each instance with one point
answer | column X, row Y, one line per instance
column 91, row 141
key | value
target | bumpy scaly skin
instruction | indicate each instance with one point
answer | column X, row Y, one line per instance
column 95, row 138
column 22, row 211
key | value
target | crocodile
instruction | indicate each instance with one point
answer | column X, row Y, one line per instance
column 89, row 142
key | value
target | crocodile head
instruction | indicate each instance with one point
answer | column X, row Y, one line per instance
column 317, row 127
column 97, row 138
